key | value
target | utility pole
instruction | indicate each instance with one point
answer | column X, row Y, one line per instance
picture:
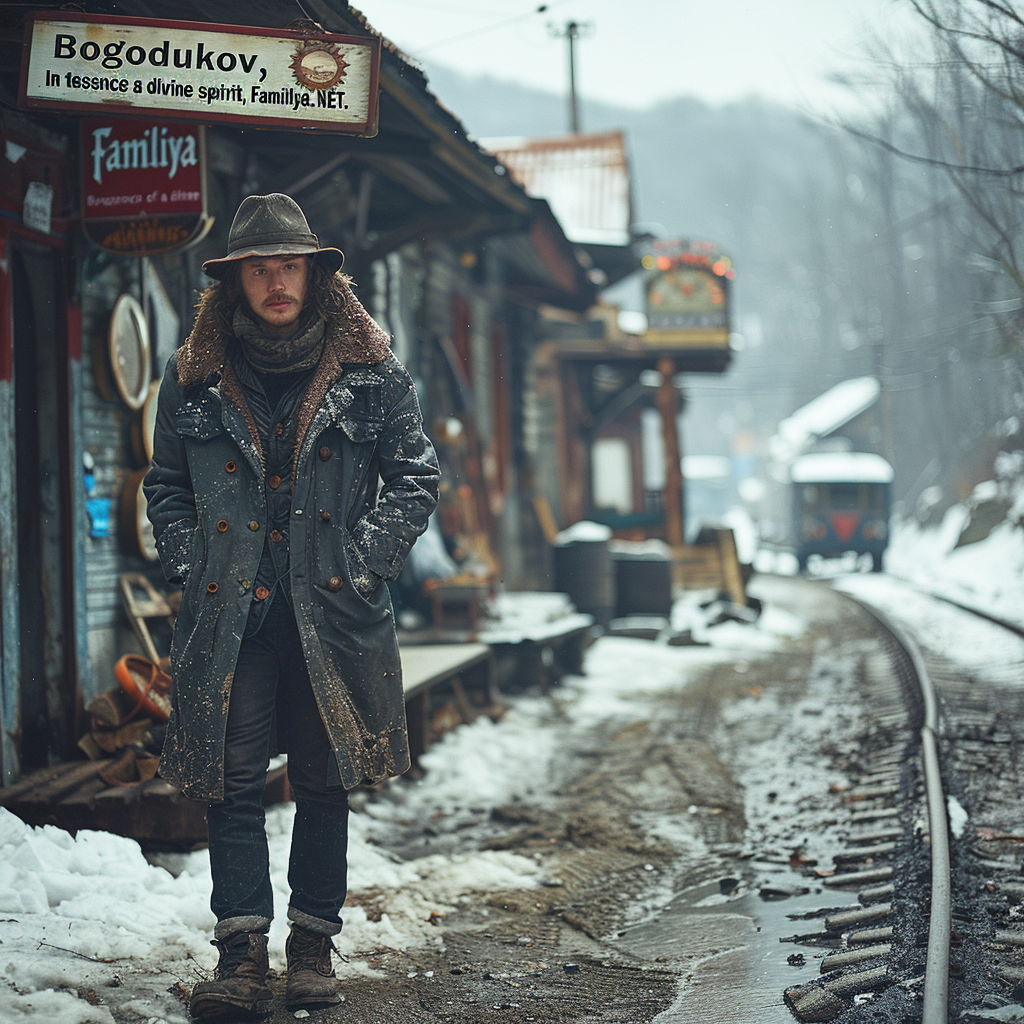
column 572, row 31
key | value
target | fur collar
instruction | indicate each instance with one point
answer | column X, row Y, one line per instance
column 350, row 337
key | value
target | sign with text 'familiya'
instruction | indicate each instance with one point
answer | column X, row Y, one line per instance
column 143, row 184
column 201, row 72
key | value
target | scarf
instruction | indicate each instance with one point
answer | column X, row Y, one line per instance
column 301, row 351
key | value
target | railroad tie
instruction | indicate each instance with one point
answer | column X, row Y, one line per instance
column 867, row 915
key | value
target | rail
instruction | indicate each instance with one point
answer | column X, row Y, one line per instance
column 936, row 982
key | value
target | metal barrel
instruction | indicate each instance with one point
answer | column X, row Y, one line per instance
column 643, row 584
column 583, row 570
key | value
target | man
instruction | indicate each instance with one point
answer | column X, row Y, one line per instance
column 277, row 420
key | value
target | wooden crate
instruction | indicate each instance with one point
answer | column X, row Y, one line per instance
column 712, row 565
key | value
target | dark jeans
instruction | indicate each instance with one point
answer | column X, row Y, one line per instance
column 271, row 677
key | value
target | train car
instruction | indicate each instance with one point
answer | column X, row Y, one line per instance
column 840, row 503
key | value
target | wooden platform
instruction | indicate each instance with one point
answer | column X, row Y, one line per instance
column 445, row 684
column 72, row 796
column 539, row 655
column 429, row 664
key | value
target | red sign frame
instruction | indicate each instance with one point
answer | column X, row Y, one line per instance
column 143, row 184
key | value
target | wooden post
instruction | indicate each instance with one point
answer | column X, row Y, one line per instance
column 668, row 405
column 417, row 711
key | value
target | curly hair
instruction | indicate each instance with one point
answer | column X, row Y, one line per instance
column 352, row 335
column 326, row 291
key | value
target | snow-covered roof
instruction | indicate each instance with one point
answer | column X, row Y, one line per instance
column 584, row 178
column 831, row 410
column 842, row 467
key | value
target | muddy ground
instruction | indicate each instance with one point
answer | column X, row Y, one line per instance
column 647, row 819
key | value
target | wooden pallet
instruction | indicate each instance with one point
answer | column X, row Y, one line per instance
column 714, row 565
column 72, row 796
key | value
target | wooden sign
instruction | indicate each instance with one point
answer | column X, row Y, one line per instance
column 687, row 290
column 268, row 78
column 143, row 184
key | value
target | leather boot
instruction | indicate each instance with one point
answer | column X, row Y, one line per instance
column 239, row 987
column 311, row 981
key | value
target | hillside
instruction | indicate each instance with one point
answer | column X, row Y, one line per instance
column 742, row 175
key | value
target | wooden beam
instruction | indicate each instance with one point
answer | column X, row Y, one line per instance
column 667, row 400
column 441, row 222
column 315, row 175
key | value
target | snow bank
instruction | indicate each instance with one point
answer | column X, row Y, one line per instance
column 988, row 573
column 77, row 911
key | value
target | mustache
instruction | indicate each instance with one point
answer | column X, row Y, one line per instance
column 280, row 297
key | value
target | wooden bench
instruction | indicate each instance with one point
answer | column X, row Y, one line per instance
column 445, row 685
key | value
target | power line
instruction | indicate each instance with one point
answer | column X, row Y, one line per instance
column 493, row 27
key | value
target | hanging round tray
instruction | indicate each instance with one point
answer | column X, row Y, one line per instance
column 128, row 346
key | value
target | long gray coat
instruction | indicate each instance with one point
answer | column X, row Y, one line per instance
column 359, row 420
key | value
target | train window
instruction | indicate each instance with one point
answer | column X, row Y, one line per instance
column 877, row 496
column 844, row 495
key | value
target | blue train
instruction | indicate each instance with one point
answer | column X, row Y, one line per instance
column 841, row 502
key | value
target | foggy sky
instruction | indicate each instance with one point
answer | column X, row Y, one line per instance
column 635, row 54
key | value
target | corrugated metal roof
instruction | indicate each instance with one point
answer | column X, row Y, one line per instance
column 584, row 178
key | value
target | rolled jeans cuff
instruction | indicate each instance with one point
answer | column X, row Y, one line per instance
column 316, row 925
column 236, row 925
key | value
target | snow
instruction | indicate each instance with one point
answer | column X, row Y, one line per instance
column 584, row 177
column 90, row 912
column 584, row 531
column 845, row 467
column 531, row 615
column 988, row 574
column 958, row 817
column 823, row 415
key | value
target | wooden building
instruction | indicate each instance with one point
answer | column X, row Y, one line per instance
column 451, row 255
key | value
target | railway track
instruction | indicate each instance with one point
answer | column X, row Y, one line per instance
column 940, row 932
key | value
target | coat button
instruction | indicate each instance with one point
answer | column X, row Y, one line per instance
column 222, row 525
column 325, row 515
column 261, row 594
column 275, row 535
column 274, row 481
column 212, row 588
column 254, row 525
column 325, row 453
column 335, row 583
column 230, row 467
column 279, row 429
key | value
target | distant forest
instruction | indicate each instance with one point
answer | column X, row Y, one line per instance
column 851, row 260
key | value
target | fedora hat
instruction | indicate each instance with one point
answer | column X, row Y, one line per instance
column 272, row 225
